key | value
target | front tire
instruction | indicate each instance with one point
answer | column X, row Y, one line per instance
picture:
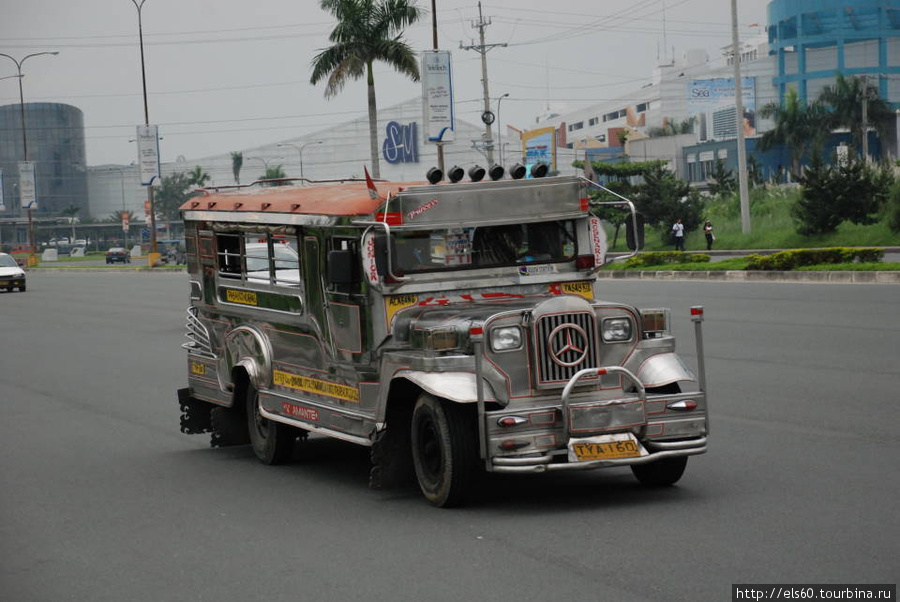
column 444, row 451
column 661, row 473
column 272, row 442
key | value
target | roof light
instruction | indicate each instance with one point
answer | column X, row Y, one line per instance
column 539, row 170
column 434, row 175
column 456, row 174
column 517, row 171
column 496, row 171
column 476, row 173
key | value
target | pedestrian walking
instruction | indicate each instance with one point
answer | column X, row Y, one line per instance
column 678, row 233
column 710, row 237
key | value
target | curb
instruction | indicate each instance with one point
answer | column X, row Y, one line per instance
column 848, row 277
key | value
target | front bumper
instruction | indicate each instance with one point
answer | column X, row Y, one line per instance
column 537, row 439
column 12, row 281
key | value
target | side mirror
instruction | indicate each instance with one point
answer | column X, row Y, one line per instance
column 343, row 267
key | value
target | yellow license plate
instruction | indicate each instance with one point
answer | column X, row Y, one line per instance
column 605, row 447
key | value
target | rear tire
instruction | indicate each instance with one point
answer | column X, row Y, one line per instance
column 444, row 450
column 272, row 442
column 661, row 473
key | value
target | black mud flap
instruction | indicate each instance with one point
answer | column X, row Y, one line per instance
column 195, row 414
column 392, row 464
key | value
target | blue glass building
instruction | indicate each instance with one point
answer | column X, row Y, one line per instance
column 814, row 40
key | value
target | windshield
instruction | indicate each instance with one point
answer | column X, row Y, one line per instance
column 427, row 250
column 6, row 261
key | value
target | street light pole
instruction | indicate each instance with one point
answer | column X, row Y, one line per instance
column 19, row 64
column 499, row 134
column 139, row 6
column 300, row 150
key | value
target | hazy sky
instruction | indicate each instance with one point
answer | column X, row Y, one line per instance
column 228, row 75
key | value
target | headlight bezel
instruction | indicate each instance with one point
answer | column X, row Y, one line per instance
column 516, row 338
column 618, row 329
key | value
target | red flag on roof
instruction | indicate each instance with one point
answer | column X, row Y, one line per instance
column 373, row 192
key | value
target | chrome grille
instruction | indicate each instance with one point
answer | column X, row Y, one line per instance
column 572, row 339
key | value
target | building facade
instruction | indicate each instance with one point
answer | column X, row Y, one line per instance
column 342, row 151
column 55, row 137
column 812, row 40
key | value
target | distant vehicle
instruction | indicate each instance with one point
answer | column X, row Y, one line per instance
column 117, row 255
column 11, row 275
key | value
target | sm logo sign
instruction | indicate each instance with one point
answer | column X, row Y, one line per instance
column 401, row 143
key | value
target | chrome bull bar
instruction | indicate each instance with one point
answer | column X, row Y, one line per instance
column 628, row 374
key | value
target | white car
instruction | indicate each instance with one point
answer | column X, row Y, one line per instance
column 11, row 275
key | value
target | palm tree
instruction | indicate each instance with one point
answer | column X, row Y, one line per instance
column 198, row 177
column 798, row 126
column 845, row 100
column 274, row 173
column 71, row 213
column 366, row 31
column 237, row 161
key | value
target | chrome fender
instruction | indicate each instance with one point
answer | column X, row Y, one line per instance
column 455, row 386
column 248, row 348
column 663, row 369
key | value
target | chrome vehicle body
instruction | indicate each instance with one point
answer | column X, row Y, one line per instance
column 460, row 321
column 11, row 275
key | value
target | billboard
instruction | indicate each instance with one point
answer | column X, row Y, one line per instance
column 148, row 153
column 539, row 146
column 438, row 120
column 27, row 193
column 711, row 102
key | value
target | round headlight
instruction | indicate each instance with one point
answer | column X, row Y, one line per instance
column 616, row 330
column 506, row 338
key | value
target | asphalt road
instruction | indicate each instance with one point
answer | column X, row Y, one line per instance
column 101, row 497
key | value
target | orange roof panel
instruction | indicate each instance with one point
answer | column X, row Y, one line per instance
column 345, row 198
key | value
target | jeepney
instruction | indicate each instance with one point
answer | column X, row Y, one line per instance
column 453, row 328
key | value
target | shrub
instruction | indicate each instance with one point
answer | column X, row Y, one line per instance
column 833, row 194
column 790, row 260
column 663, row 257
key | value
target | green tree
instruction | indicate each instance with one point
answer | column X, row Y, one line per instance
column 799, row 127
column 116, row 217
column 832, row 194
column 237, row 162
column 845, row 101
column 173, row 191
column 663, row 198
column 893, row 207
column 274, row 173
column 71, row 214
column 366, row 31
column 198, row 177
column 722, row 181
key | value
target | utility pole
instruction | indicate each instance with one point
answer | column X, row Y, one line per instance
column 865, row 118
column 487, row 117
column 739, row 120
column 434, row 45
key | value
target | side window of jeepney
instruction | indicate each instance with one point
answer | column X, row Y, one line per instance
column 259, row 259
column 272, row 259
column 228, row 255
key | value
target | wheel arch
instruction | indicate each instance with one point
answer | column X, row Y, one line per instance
column 248, row 352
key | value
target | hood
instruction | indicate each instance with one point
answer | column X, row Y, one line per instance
column 426, row 325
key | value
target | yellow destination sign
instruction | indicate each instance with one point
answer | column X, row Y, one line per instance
column 395, row 303
column 316, row 386
column 242, row 297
